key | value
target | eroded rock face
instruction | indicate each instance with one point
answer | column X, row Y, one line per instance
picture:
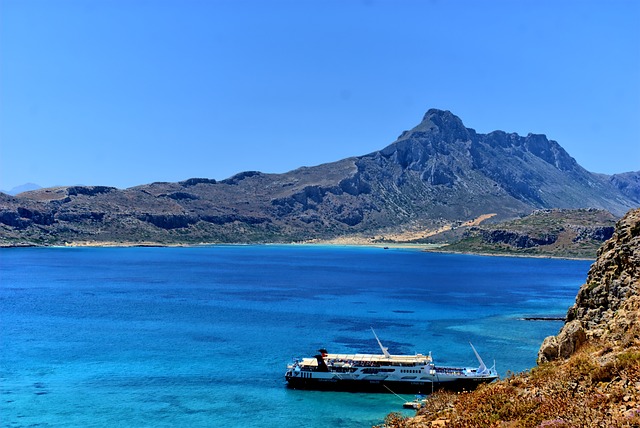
column 608, row 304
column 516, row 239
column 571, row 337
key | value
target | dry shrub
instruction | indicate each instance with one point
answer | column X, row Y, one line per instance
column 584, row 391
column 439, row 402
column 628, row 359
column 543, row 372
column 579, row 367
column 393, row 420
column 604, row 373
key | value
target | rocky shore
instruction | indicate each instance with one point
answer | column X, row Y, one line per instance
column 588, row 375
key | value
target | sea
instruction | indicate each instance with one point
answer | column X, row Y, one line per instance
column 201, row 336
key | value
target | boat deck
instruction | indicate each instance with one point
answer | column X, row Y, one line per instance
column 377, row 358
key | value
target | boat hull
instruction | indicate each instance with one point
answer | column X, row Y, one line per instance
column 399, row 387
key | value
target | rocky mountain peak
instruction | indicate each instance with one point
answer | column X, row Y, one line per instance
column 442, row 118
column 442, row 133
column 440, row 124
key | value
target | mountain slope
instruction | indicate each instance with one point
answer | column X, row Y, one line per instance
column 439, row 173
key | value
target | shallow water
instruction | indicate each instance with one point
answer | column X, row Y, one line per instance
column 201, row 336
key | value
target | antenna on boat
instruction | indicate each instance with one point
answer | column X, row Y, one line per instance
column 483, row 368
column 385, row 351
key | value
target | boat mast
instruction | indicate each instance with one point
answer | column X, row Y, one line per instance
column 385, row 351
column 483, row 368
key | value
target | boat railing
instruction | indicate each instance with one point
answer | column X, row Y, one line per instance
column 336, row 369
column 450, row 370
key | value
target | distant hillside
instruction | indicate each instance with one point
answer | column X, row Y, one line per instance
column 558, row 232
column 434, row 176
column 22, row 188
column 587, row 376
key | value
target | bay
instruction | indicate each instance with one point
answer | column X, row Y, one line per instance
column 201, row 336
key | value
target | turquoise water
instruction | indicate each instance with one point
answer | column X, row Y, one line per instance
column 98, row 337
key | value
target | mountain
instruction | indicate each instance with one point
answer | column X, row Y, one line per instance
column 22, row 188
column 436, row 175
column 587, row 376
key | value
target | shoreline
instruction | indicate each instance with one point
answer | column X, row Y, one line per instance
column 528, row 256
column 112, row 244
column 428, row 248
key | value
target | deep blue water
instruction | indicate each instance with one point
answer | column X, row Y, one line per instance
column 96, row 337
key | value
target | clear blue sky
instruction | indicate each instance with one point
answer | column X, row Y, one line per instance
column 127, row 92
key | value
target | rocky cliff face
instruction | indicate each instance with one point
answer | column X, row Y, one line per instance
column 436, row 174
column 608, row 304
column 628, row 183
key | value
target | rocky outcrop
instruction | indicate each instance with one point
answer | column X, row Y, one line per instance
column 570, row 338
column 181, row 196
column 236, row 179
column 607, row 306
column 89, row 190
column 168, row 221
column 601, row 233
column 194, row 181
column 516, row 239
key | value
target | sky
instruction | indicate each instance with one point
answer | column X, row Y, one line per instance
column 128, row 92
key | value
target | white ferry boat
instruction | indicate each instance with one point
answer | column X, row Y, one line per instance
column 403, row 374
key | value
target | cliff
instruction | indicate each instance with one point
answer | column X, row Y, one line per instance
column 608, row 304
column 588, row 375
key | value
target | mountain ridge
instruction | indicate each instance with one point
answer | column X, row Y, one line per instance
column 437, row 173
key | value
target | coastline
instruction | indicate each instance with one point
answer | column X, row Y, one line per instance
column 529, row 256
column 340, row 242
